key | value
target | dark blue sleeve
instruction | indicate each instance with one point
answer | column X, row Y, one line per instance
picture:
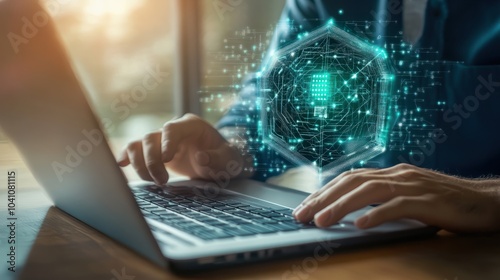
column 471, row 121
column 471, row 91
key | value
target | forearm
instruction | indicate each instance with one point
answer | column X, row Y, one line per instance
column 488, row 184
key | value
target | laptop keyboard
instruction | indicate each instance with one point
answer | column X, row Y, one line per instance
column 226, row 216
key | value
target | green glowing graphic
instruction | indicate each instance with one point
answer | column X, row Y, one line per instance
column 284, row 128
column 321, row 88
column 326, row 100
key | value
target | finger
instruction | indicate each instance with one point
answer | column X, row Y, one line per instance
column 136, row 156
column 123, row 159
column 375, row 191
column 337, row 179
column 176, row 131
column 347, row 181
column 344, row 186
column 330, row 184
column 152, row 157
column 419, row 208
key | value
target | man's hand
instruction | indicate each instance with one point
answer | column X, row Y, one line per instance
column 406, row 191
column 188, row 146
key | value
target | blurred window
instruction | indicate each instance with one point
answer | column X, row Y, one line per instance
column 123, row 52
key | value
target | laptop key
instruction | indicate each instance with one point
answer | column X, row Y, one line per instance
column 167, row 195
column 220, row 235
column 213, row 213
column 156, row 200
column 264, row 211
column 143, row 203
column 202, row 209
column 223, row 207
column 151, row 208
column 180, row 200
column 269, row 221
column 170, row 216
column 148, row 205
column 152, row 216
column 258, row 228
column 178, row 209
column 167, row 204
column 249, row 208
column 195, row 228
column 217, row 224
column 171, row 222
column 215, row 204
column 285, row 211
column 235, row 204
column 284, row 227
column 137, row 190
column 240, row 222
column 193, row 214
column 258, row 218
column 243, row 214
column 204, row 235
column 160, row 212
column 202, row 199
column 271, row 214
column 238, row 231
column 282, row 219
column 144, row 195
column 205, row 219
column 234, row 211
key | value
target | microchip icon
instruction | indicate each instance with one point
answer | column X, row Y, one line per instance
column 321, row 93
column 321, row 88
column 320, row 112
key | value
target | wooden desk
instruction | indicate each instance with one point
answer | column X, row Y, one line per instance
column 53, row 245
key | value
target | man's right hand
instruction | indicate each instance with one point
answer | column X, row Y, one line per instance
column 188, row 146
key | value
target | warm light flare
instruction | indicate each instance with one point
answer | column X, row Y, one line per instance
column 109, row 7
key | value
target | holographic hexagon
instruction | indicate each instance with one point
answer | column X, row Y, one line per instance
column 326, row 100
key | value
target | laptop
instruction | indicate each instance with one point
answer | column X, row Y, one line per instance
column 185, row 225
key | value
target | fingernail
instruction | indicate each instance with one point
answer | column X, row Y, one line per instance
column 160, row 182
column 160, row 177
column 362, row 222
